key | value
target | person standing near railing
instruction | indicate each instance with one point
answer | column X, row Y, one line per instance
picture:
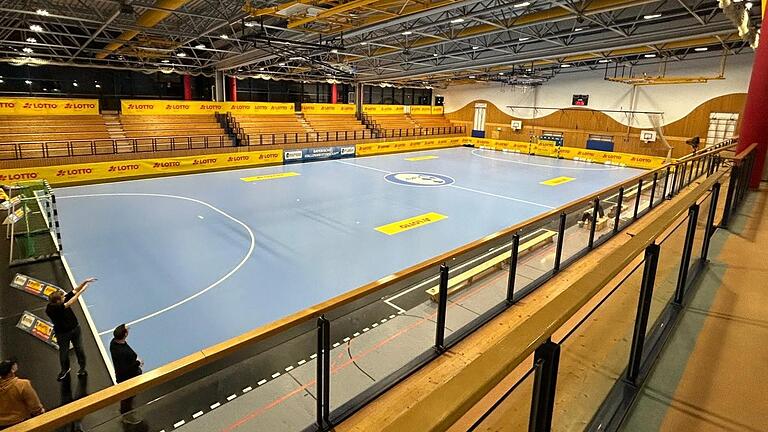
column 127, row 365
column 18, row 400
column 66, row 327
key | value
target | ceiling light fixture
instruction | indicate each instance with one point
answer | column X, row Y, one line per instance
column 181, row 54
column 28, row 50
column 523, row 4
column 200, row 46
column 435, row 55
column 363, row 43
column 604, row 61
column 223, row 36
column 523, row 39
column 471, row 77
column 281, row 64
column 649, row 55
column 475, row 47
column 28, row 82
column 748, row 5
column 652, row 16
column 42, row 12
column 565, row 65
column 165, row 61
column 406, row 33
column 251, row 24
column 457, row 21
column 35, row 28
column 578, row 29
column 74, row 84
column 701, row 49
column 31, row 40
column 501, row 73
column 98, row 85
column 334, row 51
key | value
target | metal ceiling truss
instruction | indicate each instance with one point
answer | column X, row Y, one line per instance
column 399, row 41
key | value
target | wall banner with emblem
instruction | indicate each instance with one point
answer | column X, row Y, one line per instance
column 38, row 327
column 34, row 286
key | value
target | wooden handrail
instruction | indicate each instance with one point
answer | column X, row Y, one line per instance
column 744, row 153
column 81, row 407
column 435, row 412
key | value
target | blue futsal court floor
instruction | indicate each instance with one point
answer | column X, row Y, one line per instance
column 192, row 260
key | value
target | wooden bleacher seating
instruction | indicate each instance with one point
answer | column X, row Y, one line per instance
column 171, row 126
column 393, row 121
column 429, row 121
column 322, row 123
column 463, row 280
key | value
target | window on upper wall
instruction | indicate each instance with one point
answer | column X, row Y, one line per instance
column 722, row 126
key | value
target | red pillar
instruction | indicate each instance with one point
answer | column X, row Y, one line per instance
column 187, row 87
column 754, row 128
column 232, row 89
column 334, row 93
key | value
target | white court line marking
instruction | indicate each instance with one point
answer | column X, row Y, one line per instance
column 289, row 368
column 538, row 165
column 261, row 382
column 179, row 424
column 364, row 166
column 454, row 185
column 276, row 374
column 216, row 405
column 209, row 287
column 301, row 362
column 230, row 397
column 197, row 414
column 247, row 389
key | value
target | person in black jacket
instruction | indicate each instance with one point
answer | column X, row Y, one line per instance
column 127, row 365
column 66, row 327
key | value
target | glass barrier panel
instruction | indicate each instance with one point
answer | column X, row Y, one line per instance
column 594, row 355
column 578, row 223
column 701, row 225
column 645, row 195
column 605, row 227
column 667, row 270
column 478, row 283
column 376, row 339
column 512, row 410
column 536, row 254
column 266, row 387
column 658, row 195
column 628, row 208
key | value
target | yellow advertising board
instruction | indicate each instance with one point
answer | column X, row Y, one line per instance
column 438, row 110
column 321, row 108
column 99, row 171
column 421, row 109
column 549, row 149
column 404, row 146
column 383, row 109
column 48, row 107
column 161, row 107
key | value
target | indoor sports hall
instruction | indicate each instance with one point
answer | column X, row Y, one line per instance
column 369, row 215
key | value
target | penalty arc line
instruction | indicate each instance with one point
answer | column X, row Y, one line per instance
column 209, row 287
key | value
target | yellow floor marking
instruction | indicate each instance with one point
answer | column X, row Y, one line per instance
column 557, row 181
column 410, row 223
column 420, row 158
column 269, row 176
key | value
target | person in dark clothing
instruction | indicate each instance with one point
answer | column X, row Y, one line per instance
column 694, row 143
column 587, row 215
column 127, row 365
column 66, row 327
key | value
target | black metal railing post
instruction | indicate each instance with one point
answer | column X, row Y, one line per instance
column 728, row 207
column 560, row 239
column 685, row 259
column 643, row 309
column 619, row 205
column 653, row 189
column 512, row 269
column 595, row 213
column 637, row 198
column 710, row 228
column 546, row 361
column 442, row 305
column 323, row 390
column 666, row 183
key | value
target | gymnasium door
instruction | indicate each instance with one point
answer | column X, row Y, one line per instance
column 478, row 127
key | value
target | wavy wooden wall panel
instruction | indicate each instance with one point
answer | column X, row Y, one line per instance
column 578, row 125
